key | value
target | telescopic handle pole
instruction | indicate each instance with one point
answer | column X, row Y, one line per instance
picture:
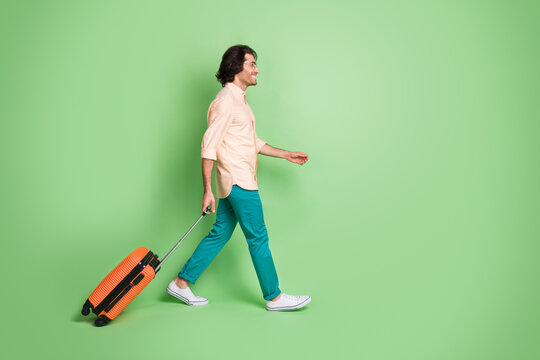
column 206, row 212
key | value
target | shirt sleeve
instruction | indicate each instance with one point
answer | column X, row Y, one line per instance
column 259, row 143
column 219, row 120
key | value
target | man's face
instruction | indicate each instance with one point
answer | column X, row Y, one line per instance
column 248, row 76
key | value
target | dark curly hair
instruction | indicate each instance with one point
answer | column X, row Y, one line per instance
column 232, row 62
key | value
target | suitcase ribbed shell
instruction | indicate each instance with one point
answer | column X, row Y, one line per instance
column 149, row 274
column 117, row 275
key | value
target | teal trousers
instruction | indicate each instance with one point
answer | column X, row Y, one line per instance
column 244, row 207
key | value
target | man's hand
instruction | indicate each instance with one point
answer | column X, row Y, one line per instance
column 208, row 199
column 297, row 157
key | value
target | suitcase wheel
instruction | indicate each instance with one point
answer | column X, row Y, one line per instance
column 102, row 321
column 87, row 307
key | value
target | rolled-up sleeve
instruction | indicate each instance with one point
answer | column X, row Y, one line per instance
column 219, row 120
column 259, row 143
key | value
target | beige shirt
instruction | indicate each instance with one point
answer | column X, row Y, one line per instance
column 231, row 141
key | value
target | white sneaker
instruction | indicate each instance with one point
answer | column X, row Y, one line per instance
column 186, row 295
column 288, row 302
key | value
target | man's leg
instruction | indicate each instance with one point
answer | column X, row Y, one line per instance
column 210, row 246
column 248, row 209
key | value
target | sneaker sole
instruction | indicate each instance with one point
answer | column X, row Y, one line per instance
column 186, row 301
column 286, row 308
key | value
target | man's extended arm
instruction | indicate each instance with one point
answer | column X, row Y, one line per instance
column 219, row 120
column 208, row 196
column 296, row 157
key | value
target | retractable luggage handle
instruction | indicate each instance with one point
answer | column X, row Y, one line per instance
column 205, row 212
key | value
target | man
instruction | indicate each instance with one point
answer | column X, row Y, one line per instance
column 231, row 142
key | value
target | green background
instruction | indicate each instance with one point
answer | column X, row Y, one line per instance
column 414, row 225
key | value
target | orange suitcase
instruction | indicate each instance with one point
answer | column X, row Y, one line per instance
column 126, row 281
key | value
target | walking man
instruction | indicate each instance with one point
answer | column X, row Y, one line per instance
column 232, row 144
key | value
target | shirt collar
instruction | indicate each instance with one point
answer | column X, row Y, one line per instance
column 236, row 90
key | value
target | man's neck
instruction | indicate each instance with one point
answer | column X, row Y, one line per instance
column 240, row 84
